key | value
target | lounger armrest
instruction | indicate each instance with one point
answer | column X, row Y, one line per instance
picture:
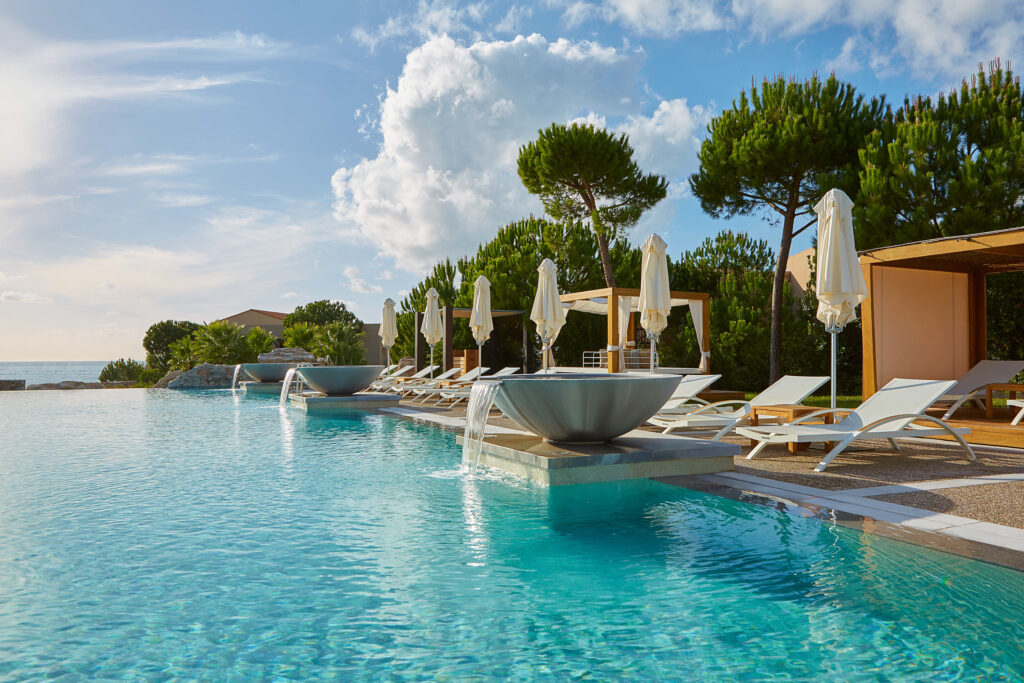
column 718, row 404
column 820, row 413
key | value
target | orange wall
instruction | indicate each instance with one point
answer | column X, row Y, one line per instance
column 920, row 323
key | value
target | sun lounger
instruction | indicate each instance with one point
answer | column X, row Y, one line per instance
column 974, row 381
column 894, row 412
column 428, row 390
column 1016, row 403
column 406, row 386
column 722, row 417
column 684, row 398
column 461, row 393
column 385, row 382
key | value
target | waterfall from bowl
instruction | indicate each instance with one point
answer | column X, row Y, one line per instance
column 286, row 386
column 481, row 398
column 234, row 377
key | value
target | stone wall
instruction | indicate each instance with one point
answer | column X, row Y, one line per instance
column 65, row 385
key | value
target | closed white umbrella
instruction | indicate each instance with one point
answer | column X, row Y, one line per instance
column 655, row 298
column 480, row 322
column 432, row 327
column 547, row 312
column 388, row 327
column 840, row 286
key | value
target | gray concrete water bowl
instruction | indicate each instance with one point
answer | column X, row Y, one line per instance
column 267, row 372
column 340, row 380
column 583, row 408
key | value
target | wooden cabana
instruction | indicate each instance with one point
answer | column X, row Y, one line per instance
column 925, row 314
column 616, row 302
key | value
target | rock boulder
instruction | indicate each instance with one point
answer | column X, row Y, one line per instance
column 166, row 379
column 204, row 376
column 287, row 355
column 12, row 384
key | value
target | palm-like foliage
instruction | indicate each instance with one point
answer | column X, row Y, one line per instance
column 259, row 340
column 221, row 343
column 300, row 336
column 339, row 344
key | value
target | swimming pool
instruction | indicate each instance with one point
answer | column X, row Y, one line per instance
column 159, row 534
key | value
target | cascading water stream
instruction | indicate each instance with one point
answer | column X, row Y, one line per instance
column 286, row 387
column 481, row 398
column 234, row 377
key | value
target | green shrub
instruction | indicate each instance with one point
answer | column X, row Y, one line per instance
column 159, row 338
column 221, row 343
column 149, row 377
column 323, row 312
column 259, row 340
column 340, row 344
column 122, row 370
column 301, row 336
column 183, row 356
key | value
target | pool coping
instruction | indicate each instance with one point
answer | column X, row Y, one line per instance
column 963, row 536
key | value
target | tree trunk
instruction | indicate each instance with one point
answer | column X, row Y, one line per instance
column 778, row 301
column 606, row 260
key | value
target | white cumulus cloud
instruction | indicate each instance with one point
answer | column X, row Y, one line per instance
column 357, row 284
column 445, row 177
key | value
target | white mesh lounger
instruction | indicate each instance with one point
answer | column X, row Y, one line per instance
column 715, row 417
column 892, row 413
column 974, row 381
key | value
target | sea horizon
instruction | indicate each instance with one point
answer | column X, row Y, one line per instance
column 39, row 372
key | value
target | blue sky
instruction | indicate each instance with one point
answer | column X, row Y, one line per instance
column 193, row 159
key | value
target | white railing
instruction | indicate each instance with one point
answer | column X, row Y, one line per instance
column 632, row 359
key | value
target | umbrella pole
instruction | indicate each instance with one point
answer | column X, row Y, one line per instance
column 544, row 362
column 479, row 355
column 833, row 334
column 388, row 349
column 654, row 350
column 431, row 360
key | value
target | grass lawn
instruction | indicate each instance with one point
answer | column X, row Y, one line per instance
column 825, row 401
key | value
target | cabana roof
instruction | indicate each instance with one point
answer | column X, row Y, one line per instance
column 998, row 251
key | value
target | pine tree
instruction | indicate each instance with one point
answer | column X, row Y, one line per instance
column 777, row 150
column 586, row 175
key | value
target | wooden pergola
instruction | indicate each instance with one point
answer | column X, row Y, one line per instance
column 609, row 296
column 925, row 314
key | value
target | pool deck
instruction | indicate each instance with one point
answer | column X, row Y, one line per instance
column 928, row 494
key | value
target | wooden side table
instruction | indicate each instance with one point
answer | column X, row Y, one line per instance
column 788, row 413
column 1010, row 389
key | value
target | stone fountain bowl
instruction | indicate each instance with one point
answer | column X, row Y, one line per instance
column 267, row 372
column 578, row 408
column 340, row 380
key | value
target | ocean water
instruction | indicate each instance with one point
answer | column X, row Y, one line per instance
column 157, row 535
column 38, row 372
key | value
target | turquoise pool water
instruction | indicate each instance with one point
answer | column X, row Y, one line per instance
column 162, row 535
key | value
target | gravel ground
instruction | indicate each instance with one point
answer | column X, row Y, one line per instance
column 997, row 503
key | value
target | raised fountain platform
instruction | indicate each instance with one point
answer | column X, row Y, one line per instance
column 638, row 454
column 320, row 404
column 268, row 388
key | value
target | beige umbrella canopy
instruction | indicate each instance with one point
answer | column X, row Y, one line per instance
column 388, row 327
column 481, row 323
column 655, row 297
column 547, row 313
column 840, row 286
column 432, row 327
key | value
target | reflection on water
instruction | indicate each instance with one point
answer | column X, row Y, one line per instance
column 186, row 535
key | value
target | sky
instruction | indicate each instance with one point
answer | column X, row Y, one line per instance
column 191, row 160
